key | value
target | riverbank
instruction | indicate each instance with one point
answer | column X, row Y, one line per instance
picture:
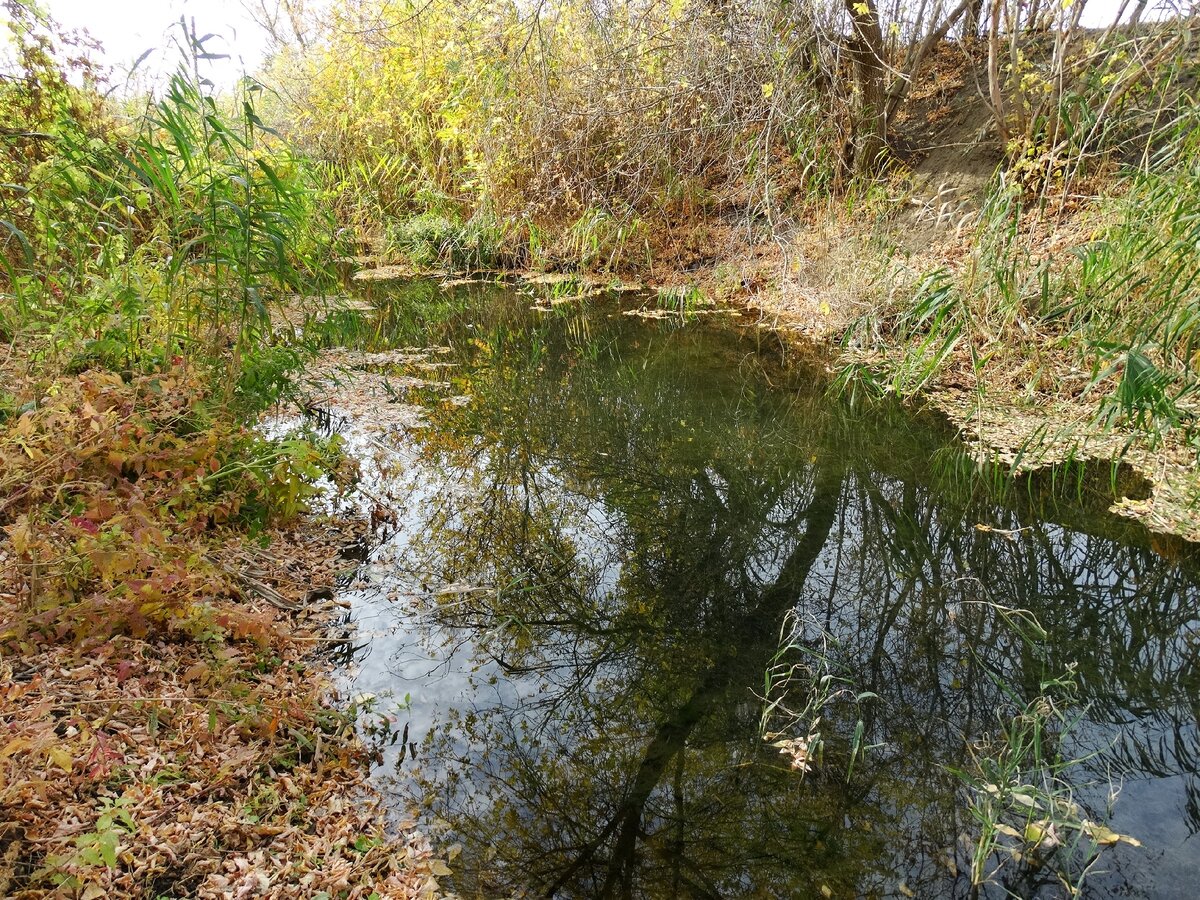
column 1006, row 211
column 1006, row 425
column 167, row 626
column 1047, row 319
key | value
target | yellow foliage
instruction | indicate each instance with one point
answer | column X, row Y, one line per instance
column 546, row 115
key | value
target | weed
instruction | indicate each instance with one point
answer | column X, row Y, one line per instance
column 683, row 300
column 1125, row 305
column 805, row 669
column 1019, row 783
column 432, row 239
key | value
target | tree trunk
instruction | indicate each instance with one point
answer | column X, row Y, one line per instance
column 974, row 17
column 866, row 49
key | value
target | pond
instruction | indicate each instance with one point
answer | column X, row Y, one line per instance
column 591, row 541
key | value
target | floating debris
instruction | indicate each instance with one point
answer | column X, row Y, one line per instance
column 555, row 278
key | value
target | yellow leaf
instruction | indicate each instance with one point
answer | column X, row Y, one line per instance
column 1106, row 837
column 19, row 535
column 62, row 758
column 439, row 868
column 12, row 747
column 1041, row 834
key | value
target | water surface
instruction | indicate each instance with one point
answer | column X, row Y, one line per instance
column 592, row 562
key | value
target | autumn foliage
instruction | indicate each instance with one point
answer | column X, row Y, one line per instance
column 167, row 724
column 165, row 727
column 105, row 500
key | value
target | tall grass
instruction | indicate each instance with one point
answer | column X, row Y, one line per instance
column 585, row 133
column 1137, row 293
column 132, row 242
column 431, row 239
column 994, row 299
column 1120, row 305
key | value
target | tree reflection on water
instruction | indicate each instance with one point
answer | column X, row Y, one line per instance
column 645, row 504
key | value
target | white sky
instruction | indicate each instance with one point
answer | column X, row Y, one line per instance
column 128, row 28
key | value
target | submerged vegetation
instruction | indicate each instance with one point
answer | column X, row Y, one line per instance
column 1022, row 779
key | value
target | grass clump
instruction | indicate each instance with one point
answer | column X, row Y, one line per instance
column 130, row 240
column 1137, row 296
column 1020, row 784
column 432, row 239
column 1101, row 305
column 808, row 692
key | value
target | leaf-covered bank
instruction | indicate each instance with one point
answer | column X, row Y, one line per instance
column 166, row 626
column 167, row 608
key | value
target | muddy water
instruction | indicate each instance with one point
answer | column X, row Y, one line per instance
column 588, row 546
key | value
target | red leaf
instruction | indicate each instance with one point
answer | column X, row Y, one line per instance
column 124, row 667
column 86, row 524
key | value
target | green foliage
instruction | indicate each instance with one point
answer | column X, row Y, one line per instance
column 569, row 134
column 267, row 376
column 8, row 406
column 431, row 239
column 1124, row 304
column 601, row 239
column 1137, row 290
column 38, row 104
column 128, row 241
column 99, row 846
column 94, row 849
column 683, row 300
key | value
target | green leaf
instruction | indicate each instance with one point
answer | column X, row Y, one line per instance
column 107, row 846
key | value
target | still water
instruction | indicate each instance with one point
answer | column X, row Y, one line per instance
column 590, row 545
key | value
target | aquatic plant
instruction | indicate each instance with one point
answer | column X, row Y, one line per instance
column 804, row 685
column 1022, row 781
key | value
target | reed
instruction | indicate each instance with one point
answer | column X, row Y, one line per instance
column 136, row 240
